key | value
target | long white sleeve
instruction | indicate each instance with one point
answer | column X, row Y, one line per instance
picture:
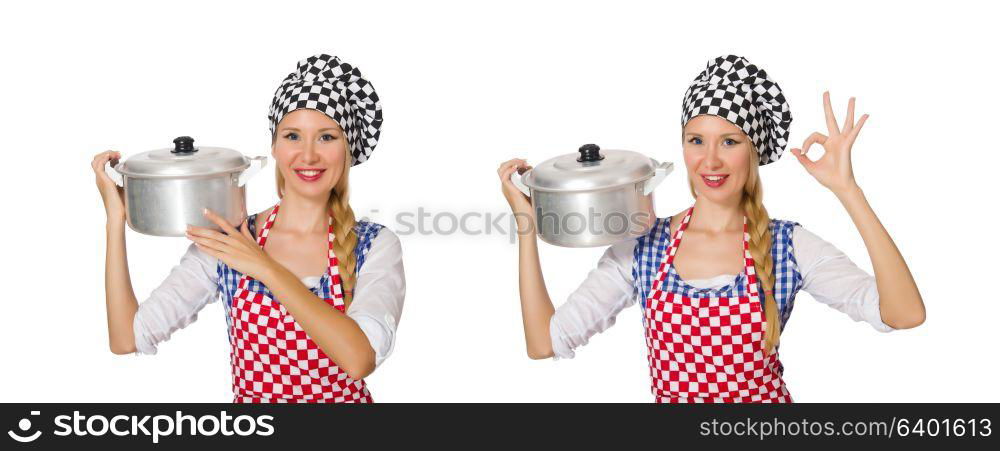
column 833, row 279
column 379, row 293
column 592, row 308
column 176, row 302
column 828, row 275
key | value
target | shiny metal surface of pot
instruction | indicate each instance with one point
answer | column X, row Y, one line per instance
column 165, row 206
column 595, row 199
column 165, row 189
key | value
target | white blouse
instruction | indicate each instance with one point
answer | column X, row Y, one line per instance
column 828, row 275
column 192, row 284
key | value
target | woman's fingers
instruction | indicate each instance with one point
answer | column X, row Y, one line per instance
column 518, row 162
column 245, row 230
column 209, row 243
column 857, row 129
column 219, row 221
column 211, row 252
column 206, row 234
column 814, row 138
column 100, row 159
column 849, row 120
column 806, row 162
column 97, row 160
column 217, row 244
column 218, row 239
column 101, row 155
column 105, row 183
column 506, row 173
column 230, row 237
column 831, row 122
column 507, row 164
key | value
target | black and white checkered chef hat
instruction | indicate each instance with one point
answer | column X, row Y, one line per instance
column 337, row 89
column 742, row 93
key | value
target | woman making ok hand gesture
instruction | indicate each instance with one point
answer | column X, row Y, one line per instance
column 899, row 299
column 715, row 307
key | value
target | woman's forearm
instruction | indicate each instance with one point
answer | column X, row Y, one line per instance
column 119, row 296
column 536, row 306
column 335, row 333
column 899, row 300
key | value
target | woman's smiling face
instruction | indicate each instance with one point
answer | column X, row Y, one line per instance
column 310, row 151
column 716, row 154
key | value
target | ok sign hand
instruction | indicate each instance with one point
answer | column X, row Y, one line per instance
column 833, row 170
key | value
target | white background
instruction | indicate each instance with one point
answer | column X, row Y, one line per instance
column 465, row 87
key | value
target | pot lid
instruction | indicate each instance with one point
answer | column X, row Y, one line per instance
column 183, row 160
column 591, row 169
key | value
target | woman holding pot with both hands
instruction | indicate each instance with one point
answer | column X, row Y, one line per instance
column 312, row 296
column 714, row 308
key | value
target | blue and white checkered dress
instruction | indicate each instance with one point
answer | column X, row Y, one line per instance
column 651, row 248
column 229, row 278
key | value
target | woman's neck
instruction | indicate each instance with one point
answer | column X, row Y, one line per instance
column 302, row 215
column 716, row 217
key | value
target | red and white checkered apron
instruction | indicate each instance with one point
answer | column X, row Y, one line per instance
column 710, row 349
column 273, row 359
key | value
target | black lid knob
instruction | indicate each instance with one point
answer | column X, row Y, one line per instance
column 590, row 152
column 184, row 144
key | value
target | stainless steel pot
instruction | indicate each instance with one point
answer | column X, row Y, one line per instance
column 166, row 189
column 594, row 197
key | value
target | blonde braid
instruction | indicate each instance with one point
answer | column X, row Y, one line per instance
column 758, row 226
column 344, row 237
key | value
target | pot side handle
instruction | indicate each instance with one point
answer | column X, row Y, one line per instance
column 114, row 174
column 515, row 178
column 662, row 169
column 256, row 164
